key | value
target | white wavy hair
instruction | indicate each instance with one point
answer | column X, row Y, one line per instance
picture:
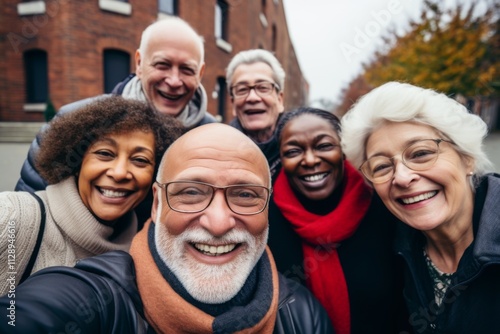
column 402, row 102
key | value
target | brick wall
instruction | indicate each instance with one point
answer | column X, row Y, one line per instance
column 75, row 33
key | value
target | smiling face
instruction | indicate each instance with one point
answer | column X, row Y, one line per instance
column 311, row 156
column 438, row 197
column 256, row 114
column 211, row 252
column 170, row 69
column 116, row 174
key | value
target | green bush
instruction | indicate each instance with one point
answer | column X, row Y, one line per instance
column 50, row 111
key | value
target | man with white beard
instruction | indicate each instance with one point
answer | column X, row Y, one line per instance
column 200, row 266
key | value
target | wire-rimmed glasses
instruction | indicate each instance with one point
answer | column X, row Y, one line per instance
column 195, row 196
column 263, row 88
column 420, row 155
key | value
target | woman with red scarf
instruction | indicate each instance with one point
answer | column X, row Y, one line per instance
column 329, row 231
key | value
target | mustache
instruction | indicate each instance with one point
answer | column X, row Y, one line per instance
column 200, row 235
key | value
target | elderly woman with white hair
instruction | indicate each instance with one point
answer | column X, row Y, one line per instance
column 422, row 153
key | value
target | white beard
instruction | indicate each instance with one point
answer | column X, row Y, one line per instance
column 211, row 284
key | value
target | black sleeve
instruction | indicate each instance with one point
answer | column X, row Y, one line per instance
column 301, row 312
column 59, row 300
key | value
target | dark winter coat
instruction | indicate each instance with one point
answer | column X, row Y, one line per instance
column 472, row 302
column 270, row 149
column 101, row 296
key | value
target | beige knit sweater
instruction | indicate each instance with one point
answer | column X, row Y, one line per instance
column 71, row 231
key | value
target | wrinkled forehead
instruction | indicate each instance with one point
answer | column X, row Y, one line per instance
column 218, row 160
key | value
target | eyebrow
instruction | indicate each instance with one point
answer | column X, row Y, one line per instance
column 405, row 145
column 245, row 82
column 315, row 139
column 114, row 143
column 201, row 179
column 190, row 62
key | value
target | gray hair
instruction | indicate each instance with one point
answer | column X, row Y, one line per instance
column 165, row 24
column 402, row 102
column 256, row 56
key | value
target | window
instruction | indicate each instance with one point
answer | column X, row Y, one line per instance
column 262, row 15
column 221, row 97
column 116, row 68
column 36, row 76
column 221, row 19
column 31, row 8
column 274, row 37
column 168, row 7
column 116, row 6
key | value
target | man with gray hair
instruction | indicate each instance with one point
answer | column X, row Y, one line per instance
column 256, row 82
column 169, row 67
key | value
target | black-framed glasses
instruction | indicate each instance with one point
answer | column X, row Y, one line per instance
column 194, row 196
column 419, row 156
column 263, row 88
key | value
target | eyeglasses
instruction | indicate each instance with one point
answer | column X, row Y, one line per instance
column 194, row 196
column 419, row 156
column 263, row 88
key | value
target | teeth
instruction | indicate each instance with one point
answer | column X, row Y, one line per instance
column 317, row 177
column 214, row 250
column 419, row 198
column 112, row 193
column 170, row 97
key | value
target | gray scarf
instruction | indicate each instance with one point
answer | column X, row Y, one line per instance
column 190, row 116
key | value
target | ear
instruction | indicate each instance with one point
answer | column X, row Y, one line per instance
column 281, row 98
column 138, row 70
column 202, row 70
column 469, row 163
column 156, row 199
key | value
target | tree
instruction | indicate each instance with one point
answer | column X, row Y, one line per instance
column 352, row 93
column 454, row 51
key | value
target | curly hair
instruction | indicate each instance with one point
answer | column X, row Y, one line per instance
column 68, row 137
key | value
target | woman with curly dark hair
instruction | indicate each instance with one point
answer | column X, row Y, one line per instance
column 99, row 171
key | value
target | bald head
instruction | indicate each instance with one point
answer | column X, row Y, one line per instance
column 216, row 151
column 168, row 26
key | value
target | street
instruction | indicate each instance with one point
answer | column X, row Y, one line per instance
column 14, row 154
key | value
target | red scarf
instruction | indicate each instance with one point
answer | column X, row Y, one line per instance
column 321, row 236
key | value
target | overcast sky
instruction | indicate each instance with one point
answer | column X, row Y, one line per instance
column 332, row 38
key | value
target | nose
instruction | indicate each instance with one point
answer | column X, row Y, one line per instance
column 218, row 219
column 119, row 170
column 403, row 176
column 173, row 78
column 310, row 159
column 252, row 95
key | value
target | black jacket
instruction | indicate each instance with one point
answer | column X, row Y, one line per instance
column 472, row 302
column 270, row 149
column 101, row 296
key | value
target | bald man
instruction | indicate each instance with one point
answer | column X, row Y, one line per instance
column 201, row 265
column 169, row 67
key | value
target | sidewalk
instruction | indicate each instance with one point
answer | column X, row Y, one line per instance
column 13, row 156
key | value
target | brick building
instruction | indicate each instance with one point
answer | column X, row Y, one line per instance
column 66, row 50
